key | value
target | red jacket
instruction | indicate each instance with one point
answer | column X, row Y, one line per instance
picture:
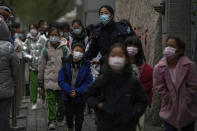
column 146, row 78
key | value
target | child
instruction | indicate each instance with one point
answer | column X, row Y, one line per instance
column 49, row 66
column 118, row 97
column 175, row 81
column 138, row 61
column 73, row 78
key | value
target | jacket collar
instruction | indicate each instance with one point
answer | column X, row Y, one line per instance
column 183, row 60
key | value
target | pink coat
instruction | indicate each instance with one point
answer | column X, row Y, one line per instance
column 178, row 103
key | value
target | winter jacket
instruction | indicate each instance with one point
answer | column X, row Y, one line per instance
column 48, row 69
column 8, row 63
column 123, row 104
column 84, row 78
column 146, row 78
column 78, row 39
column 178, row 102
column 34, row 48
column 104, row 37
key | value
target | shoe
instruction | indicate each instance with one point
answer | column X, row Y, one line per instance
column 52, row 126
column 34, row 107
column 61, row 123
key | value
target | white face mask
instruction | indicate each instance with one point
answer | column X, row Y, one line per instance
column 33, row 32
column 169, row 52
column 117, row 63
column 132, row 51
column 77, row 56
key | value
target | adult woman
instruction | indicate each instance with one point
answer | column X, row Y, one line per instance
column 175, row 81
column 106, row 34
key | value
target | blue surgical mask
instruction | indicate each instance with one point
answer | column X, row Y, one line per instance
column 54, row 39
column 105, row 18
column 77, row 31
column 128, row 30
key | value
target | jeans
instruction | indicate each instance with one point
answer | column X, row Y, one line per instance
column 189, row 127
column 5, row 105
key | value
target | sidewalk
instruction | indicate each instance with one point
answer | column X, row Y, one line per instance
column 37, row 120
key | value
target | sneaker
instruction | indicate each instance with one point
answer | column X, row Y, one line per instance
column 34, row 107
column 52, row 126
column 61, row 123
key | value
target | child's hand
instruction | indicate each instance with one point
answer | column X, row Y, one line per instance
column 100, row 105
column 73, row 94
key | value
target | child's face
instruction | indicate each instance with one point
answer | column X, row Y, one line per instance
column 78, row 49
column 117, row 59
column 117, row 52
column 77, row 53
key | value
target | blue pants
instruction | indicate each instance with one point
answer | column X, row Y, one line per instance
column 5, row 105
column 189, row 127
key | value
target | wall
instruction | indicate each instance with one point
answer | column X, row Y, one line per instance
column 146, row 22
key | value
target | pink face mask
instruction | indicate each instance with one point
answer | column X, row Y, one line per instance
column 169, row 52
column 132, row 51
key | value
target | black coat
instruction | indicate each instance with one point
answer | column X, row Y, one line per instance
column 104, row 37
column 124, row 101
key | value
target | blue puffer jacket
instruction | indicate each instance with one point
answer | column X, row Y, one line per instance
column 84, row 78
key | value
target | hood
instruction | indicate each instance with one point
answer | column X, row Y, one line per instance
column 4, row 31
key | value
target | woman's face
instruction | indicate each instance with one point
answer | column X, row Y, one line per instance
column 76, row 26
column 105, row 11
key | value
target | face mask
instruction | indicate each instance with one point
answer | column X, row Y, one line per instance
column 54, row 39
column 132, row 51
column 117, row 63
column 33, row 32
column 1, row 17
column 169, row 52
column 61, row 34
column 66, row 35
column 128, row 30
column 77, row 55
column 105, row 19
column 77, row 31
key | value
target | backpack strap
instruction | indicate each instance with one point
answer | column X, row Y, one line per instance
column 64, row 50
column 45, row 53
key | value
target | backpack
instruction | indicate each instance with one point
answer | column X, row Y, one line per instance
column 45, row 53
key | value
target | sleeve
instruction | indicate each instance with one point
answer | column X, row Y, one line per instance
column 62, row 83
column 89, row 79
column 92, row 51
column 140, row 100
column 159, row 83
column 93, row 94
column 14, row 61
column 41, row 68
column 191, row 81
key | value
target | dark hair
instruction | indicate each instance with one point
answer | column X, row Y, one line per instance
column 106, row 69
column 66, row 26
column 78, row 22
column 180, row 43
column 16, row 25
column 133, row 40
column 80, row 45
column 125, row 22
column 40, row 22
column 34, row 25
column 52, row 29
column 109, row 8
column 89, row 29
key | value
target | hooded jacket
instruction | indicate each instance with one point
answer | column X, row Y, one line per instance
column 8, row 63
